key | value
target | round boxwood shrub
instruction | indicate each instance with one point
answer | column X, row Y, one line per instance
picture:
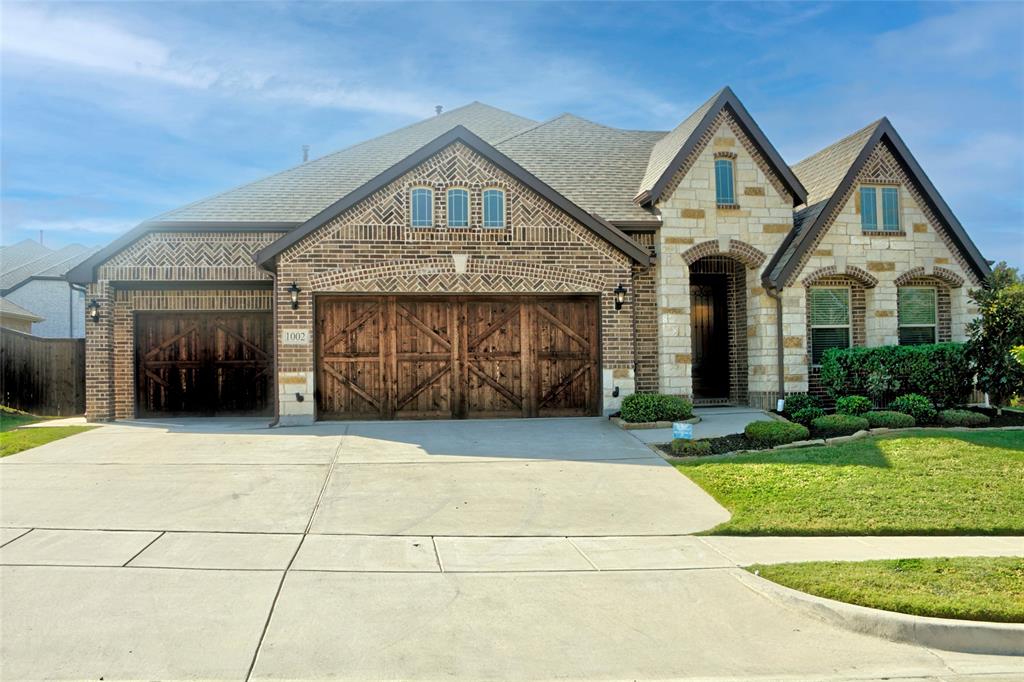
column 916, row 405
column 768, row 434
column 683, row 447
column 805, row 415
column 962, row 418
column 799, row 401
column 654, row 407
column 887, row 419
column 833, row 425
column 855, row 405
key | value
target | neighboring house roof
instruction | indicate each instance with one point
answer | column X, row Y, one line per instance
column 51, row 264
column 15, row 311
column 830, row 173
column 16, row 255
column 671, row 151
column 594, row 166
column 601, row 227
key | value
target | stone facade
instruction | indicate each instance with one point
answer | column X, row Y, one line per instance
column 372, row 248
column 694, row 226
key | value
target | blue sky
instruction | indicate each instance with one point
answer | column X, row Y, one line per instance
column 113, row 113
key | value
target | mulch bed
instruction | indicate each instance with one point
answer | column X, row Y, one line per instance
column 1007, row 418
column 720, row 445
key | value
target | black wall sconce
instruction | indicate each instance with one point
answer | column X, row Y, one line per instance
column 620, row 296
column 294, row 291
column 94, row 310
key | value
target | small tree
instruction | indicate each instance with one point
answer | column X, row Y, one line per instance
column 993, row 337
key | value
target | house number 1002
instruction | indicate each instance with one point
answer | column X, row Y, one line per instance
column 294, row 337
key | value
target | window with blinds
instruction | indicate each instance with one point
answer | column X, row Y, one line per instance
column 917, row 311
column 724, row 193
column 829, row 314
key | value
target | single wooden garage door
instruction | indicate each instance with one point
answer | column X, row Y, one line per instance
column 203, row 363
column 388, row 357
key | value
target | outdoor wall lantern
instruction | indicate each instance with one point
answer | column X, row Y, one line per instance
column 94, row 310
column 620, row 296
column 294, row 291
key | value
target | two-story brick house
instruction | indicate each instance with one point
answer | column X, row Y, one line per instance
column 478, row 263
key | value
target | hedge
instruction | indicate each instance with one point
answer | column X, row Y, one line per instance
column 833, row 425
column 654, row 407
column 768, row 434
column 938, row 371
column 682, row 447
column 917, row 406
column 886, row 419
column 962, row 418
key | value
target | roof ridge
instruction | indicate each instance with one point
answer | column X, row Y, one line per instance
column 527, row 129
column 874, row 124
column 264, row 178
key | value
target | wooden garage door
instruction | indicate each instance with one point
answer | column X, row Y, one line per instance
column 203, row 363
column 402, row 357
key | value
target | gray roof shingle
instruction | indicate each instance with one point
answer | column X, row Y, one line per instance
column 52, row 263
column 296, row 194
column 822, row 172
column 9, row 309
column 669, row 145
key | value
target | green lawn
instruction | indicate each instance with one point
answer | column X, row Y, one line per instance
column 918, row 483
column 14, row 439
column 975, row 588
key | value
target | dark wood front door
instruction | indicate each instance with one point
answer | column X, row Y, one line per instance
column 203, row 363
column 709, row 318
column 394, row 357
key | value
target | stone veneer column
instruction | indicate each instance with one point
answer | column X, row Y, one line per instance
column 99, row 354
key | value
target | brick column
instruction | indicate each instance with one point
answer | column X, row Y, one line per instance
column 99, row 353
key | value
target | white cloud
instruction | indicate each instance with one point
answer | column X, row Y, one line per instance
column 81, row 227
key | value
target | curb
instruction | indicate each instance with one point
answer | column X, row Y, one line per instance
column 635, row 426
column 967, row 636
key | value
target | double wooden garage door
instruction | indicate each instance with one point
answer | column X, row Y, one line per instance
column 390, row 357
column 203, row 363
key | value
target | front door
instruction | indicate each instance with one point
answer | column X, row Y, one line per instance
column 710, row 337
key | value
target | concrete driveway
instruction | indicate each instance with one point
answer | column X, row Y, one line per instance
column 471, row 550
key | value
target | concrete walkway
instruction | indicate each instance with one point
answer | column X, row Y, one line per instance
column 714, row 422
column 473, row 551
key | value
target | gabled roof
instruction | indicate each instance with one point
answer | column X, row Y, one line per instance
column 18, row 268
column 297, row 194
column 671, row 151
column 601, row 227
column 592, row 165
column 15, row 311
column 829, row 175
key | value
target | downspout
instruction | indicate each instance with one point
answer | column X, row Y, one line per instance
column 779, row 350
column 71, row 308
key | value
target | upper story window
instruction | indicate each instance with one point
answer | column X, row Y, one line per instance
column 725, row 194
column 422, row 207
column 881, row 210
column 458, row 208
column 829, row 316
column 917, row 311
column 494, row 208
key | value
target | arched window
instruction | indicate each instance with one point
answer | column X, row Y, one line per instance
column 458, row 208
column 917, row 311
column 494, row 208
column 422, row 207
column 725, row 194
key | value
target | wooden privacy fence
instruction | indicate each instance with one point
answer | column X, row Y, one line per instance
column 42, row 376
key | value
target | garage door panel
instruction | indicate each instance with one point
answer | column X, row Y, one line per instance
column 203, row 363
column 420, row 357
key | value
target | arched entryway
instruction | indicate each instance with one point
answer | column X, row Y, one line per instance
column 718, row 304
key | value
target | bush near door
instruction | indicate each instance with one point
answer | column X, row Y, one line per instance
column 654, row 407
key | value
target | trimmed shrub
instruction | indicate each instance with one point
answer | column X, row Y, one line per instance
column 833, row 425
column 683, row 447
column 887, row 419
column 654, row 407
column 962, row 418
column 799, row 401
column 855, row 405
column 938, row 371
column 917, row 406
column 806, row 415
column 768, row 434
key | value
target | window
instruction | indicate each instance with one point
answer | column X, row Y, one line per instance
column 917, row 313
column 458, row 208
column 885, row 213
column 494, row 208
column 829, row 312
column 422, row 207
column 724, row 194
